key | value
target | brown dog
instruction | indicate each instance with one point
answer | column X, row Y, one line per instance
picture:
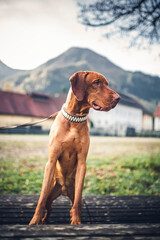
column 69, row 143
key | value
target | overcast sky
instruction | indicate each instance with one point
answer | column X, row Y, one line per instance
column 34, row 31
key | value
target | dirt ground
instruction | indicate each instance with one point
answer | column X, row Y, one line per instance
column 37, row 145
column 39, row 138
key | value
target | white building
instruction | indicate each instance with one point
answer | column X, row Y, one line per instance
column 157, row 118
column 126, row 116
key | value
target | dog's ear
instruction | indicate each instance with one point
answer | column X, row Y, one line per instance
column 78, row 83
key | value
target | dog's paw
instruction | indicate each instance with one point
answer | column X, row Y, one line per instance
column 36, row 220
column 75, row 214
column 44, row 221
column 75, row 222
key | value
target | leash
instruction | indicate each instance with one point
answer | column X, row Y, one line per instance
column 30, row 123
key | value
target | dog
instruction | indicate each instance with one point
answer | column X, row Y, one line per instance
column 69, row 143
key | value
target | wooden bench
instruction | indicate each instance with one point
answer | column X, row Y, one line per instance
column 103, row 217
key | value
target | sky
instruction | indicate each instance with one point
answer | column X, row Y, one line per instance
column 35, row 31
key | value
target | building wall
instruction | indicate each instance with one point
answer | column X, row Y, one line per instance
column 147, row 122
column 9, row 120
column 118, row 119
column 157, row 124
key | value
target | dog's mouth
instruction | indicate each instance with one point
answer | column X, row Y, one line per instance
column 96, row 107
column 99, row 108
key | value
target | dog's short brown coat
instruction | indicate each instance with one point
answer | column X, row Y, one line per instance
column 69, row 143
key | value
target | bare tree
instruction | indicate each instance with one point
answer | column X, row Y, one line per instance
column 142, row 17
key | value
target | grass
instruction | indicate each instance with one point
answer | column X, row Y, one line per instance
column 130, row 175
column 115, row 166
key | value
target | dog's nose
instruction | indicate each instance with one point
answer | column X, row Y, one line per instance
column 117, row 97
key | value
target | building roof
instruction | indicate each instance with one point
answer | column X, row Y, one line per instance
column 129, row 101
column 34, row 104
column 157, row 111
column 42, row 105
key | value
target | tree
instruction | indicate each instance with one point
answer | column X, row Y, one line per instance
column 142, row 17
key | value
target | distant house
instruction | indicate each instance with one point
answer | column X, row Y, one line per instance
column 147, row 121
column 157, row 118
column 16, row 108
column 128, row 117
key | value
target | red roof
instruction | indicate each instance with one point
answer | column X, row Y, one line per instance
column 34, row 104
column 157, row 112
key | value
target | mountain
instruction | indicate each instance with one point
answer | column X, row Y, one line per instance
column 53, row 76
column 6, row 71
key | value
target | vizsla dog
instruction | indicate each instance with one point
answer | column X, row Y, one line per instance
column 69, row 143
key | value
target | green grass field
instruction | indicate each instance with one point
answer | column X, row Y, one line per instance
column 115, row 166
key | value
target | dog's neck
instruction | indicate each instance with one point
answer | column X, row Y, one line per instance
column 75, row 107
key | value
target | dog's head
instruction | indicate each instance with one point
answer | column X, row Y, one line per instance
column 93, row 88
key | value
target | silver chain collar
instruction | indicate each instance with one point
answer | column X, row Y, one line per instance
column 73, row 118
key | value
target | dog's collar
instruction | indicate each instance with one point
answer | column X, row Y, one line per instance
column 73, row 118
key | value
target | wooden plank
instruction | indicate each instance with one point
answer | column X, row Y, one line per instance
column 110, row 201
column 90, row 238
column 19, row 209
column 123, row 209
column 89, row 231
column 86, row 238
column 134, row 217
column 124, row 201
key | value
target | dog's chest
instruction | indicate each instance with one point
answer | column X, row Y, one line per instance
column 66, row 165
column 72, row 141
column 73, row 144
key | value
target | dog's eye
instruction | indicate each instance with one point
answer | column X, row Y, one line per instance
column 97, row 82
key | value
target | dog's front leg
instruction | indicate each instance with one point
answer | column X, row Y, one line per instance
column 47, row 183
column 79, row 181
